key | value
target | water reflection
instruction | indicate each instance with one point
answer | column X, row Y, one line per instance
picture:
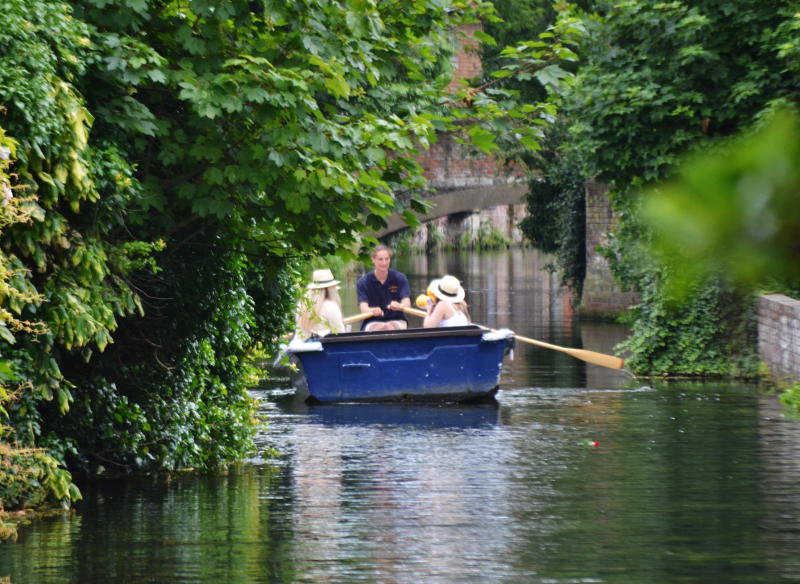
column 425, row 416
column 390, row 496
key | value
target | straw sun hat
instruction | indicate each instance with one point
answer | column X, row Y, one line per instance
column 448, row 288
column 322, row 279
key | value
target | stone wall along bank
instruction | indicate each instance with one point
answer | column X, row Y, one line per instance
column 779, row 336
column 602, row 296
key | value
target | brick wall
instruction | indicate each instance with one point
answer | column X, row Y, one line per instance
column 467, row 61
column 779, row 336
column 602, row 296
column 447, row 164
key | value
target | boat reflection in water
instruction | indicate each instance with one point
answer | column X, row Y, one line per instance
column 402, row 414
column 375, row 469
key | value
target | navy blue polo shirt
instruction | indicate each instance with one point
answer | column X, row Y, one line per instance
column 370, row 290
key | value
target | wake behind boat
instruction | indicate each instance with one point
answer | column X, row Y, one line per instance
column 450, row 364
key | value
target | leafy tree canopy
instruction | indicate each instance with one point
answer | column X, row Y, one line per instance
column 660, row 78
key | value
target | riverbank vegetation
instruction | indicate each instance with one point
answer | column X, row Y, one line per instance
column 29, row 477
column 475, row 233
column 655, row 82
column 790, row 397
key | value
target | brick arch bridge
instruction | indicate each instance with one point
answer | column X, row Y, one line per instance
column 466, row 199
column 463, row 183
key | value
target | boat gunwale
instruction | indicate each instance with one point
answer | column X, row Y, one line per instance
column 402, row 334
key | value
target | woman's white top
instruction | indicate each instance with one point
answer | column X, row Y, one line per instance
column 458, row 319
column 328, row 320
column 332, row 319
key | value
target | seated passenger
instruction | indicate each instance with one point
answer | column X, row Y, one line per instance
column 449, row 309
column 320, row 310
column 383, row 293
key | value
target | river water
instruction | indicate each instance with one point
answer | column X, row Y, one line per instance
column 577, row 474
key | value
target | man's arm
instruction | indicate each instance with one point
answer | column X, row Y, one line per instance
column 405, row 291
column 375, row 310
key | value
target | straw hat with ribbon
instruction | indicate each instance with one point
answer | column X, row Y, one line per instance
column 322, row 279
column 448, row 288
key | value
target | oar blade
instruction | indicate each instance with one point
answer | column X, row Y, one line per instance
column 609, row 361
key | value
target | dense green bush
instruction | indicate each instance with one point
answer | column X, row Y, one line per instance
column 29, row 477
column 709, row 333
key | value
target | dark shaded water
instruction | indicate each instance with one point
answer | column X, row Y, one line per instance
column 577, row 474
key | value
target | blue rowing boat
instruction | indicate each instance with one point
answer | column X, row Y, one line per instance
column 451, row 364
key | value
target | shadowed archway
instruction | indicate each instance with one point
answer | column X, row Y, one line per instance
column 467, row 200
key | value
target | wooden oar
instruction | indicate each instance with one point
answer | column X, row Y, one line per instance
column 601, row 359
column 357, row 317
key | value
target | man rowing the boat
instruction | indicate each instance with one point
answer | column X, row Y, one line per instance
column 384, row 293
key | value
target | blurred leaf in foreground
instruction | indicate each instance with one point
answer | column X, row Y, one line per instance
column 734, row 210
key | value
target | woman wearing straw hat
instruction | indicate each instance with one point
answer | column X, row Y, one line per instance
column 449, row 308
column 320, row 311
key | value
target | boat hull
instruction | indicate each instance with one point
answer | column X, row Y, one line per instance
column 443, row 364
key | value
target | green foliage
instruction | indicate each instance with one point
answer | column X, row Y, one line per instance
column 517, row 22
column 64, row 258
column 502, row 120
column 556, row 220
column 734, row 210
column 15, row 291
column 490, row 237
column 790, row 397
column 710, row 333
column 29, row 477
column 281, row 112
column 181, row 400
column 659, row 78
